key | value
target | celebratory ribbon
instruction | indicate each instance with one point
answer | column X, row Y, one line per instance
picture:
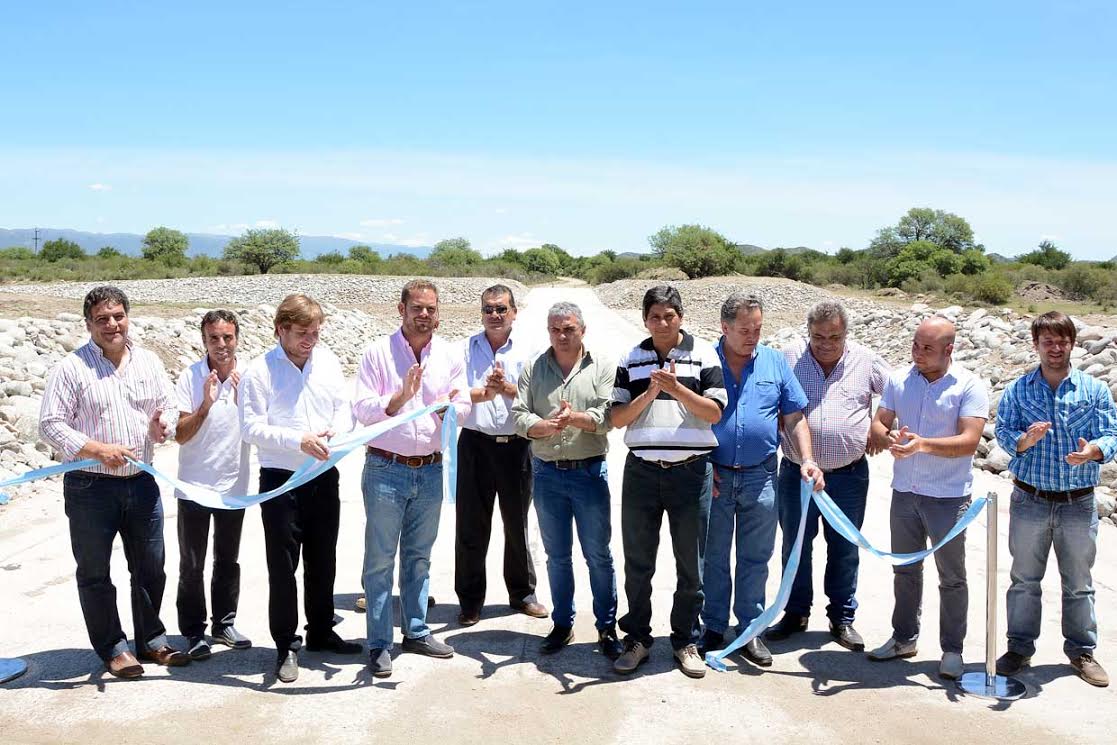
column 847, row 530
column 310, row 468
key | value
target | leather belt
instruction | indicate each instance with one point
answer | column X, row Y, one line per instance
column 570, row 465
column 1052, row 496
column 411, row 461
column 499, row 439
column 665, row 464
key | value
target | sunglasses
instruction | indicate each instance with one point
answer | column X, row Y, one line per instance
column 500, row 310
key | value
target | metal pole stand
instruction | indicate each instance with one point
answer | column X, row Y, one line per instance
column 10, row 669
column 988, row 684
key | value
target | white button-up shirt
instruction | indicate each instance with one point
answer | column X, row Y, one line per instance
column 933, row 410
column 494, row 417
column 279, row 402
column 216, row 457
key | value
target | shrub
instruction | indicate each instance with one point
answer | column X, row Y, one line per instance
column 991, row 288
column 59, row 249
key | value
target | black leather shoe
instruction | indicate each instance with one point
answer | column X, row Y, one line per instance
column 380, row 663
column 230, row 637
column 847, row 636
column 609, row 644
column 1011, row 663
column 428, row 646
column 333, row 643
column 756, row 653
column 197, row 648
column 711, row 642
column 559, row 637
column 469, row 617
column 787, row 626
column 287, row 666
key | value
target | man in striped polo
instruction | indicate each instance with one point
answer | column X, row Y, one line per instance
column 941, row 409
column 840, row 378
column 668, row 392
column 1060, row 425
column 111, row 401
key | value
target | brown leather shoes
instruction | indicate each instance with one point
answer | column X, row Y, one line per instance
column 533, row 609
column 1090, row 670
column 125, row 665
column 168, row 656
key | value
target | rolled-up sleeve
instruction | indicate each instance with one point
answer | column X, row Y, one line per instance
column 253, row 406
column 523, row 417
column 605, row 378
column 1107, row 425
column 58, row 411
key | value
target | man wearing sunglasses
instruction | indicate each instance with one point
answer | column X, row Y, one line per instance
column 494, row 464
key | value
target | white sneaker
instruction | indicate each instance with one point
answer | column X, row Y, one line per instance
column 690, row 662
column 892, row 650
column 951, row 666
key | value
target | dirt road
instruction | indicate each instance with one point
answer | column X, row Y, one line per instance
column 498, row 688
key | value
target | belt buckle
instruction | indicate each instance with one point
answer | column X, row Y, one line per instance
column 563, row 465
column 664, row 464
column 413, row 461
column 502, row 439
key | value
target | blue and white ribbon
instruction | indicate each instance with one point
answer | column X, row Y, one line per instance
column 340, row 447
column 847, row 530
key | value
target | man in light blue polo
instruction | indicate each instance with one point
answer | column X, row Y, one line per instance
column 1060, row 425
column 941, row 409
column 762, row 393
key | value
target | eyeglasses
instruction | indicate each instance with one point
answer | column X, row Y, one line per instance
column 500, row 310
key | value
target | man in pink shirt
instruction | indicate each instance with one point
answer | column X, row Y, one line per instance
column 402, row 481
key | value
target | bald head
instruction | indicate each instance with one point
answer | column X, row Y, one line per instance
column 933, row 346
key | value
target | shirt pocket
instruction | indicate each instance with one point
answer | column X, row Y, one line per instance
column 766, row 394
column 1075, row 415
column 144, row 394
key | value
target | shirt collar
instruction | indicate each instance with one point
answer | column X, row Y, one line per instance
column 100, row 353
column 686, row 344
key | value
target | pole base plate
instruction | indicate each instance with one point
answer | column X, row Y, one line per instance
column 10, row 669
column 992, row 686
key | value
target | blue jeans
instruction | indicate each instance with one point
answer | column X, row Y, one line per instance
column 849, row 488
column 746, row 500
column 402, row 509
column 99, row 507
column 1035, row 525
column 576, row 498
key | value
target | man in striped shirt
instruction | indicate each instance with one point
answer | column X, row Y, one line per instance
column 941, row 409
column 105, row 401
column 840, row 378
column 668, row 392
column 1060, row 425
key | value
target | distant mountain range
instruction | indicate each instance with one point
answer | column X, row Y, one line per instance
column 201, row 244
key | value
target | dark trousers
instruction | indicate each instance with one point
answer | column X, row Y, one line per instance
column 683, row 493
column 849, row 488
column 492, row 472
column 193, row 541
column 99, row 507
column 304, row 520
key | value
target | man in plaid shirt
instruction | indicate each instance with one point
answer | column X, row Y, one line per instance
column 1060, row 425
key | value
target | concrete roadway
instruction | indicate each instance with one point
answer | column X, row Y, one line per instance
column 498, row 688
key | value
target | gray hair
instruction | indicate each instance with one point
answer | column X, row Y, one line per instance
column 827, row 310
column 563, row 309
column 738, row 300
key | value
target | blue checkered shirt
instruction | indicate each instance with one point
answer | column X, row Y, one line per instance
column 1081, row 406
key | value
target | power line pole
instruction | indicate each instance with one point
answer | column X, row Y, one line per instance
column 36, row 240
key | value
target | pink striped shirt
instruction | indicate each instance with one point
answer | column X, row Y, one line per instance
column 88, row 398
column 840, row 405
column 383, row 367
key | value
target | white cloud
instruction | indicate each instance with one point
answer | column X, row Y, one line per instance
column 520, row 240
column 501, row 210
column 267, row 223
column 349, row 236
column 100, row 187
column 381, row 222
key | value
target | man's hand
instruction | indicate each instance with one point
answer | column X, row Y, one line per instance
column 156, row 429
column 717, row 483
column 1034, row 433
column 562, row 418
column 449, row 399
column 810, row 471
column 412, row 382
column 1086, row 452
column 210, row 390
column 665, row 380
column 315, row 445
column 905, row 444
column 235, row 377
column 544, row 428
column 876, row 444
column 111, row 454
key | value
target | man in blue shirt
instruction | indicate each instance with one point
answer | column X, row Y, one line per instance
column 762, row 392
column 1060, row 424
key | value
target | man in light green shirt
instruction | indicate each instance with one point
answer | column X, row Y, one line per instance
column 561, row 407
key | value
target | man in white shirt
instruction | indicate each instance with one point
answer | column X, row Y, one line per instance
column 291, row 404
column 211, row 454
column 494, row 464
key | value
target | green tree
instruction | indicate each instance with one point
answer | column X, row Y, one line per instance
column 108, row 252
column 541, row 261
column 975, row 262
column 330, row 257
column 1047, row 255
column 695, row 249
column 17, row 253
column 566, row 261
column 455, row 252
column 944, row 229
column 364, row 254
column 60, row 249
column 263, row 248
column 512, row 256
column 166, row 245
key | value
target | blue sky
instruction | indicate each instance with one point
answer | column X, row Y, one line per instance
column 590, row 126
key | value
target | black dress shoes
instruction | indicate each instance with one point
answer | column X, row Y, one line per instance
column 756, row 653
column 333, row 643
column 559, row 637
column 787, row 626
column 847, row 636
